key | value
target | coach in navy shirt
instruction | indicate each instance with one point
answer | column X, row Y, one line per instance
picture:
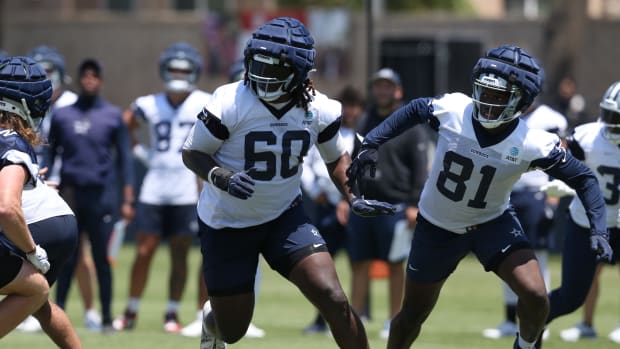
column 90, row 137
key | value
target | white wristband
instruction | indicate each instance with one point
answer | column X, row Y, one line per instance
column 209, row 175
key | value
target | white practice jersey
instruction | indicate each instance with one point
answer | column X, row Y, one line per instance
column 603, row 157
column 168, row 181
column 542, row 118
column 274, row 147
column 39, row 201
column 315, row 178
column 470, row 184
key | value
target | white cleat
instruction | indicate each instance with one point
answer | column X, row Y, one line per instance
column 505, row 329
column 614, row 336
column 92, row 320
column 29, row 325
column 194, row 329
column 579, row 331
column 254, row 332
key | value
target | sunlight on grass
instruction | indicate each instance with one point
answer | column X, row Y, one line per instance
column 470, row 301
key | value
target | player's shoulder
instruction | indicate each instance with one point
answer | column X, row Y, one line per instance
column 11, row 140
column 538, row 142
column 148, row 100
column 328, row 109
column 588, row 128
column 450, row 104
column 66, row 98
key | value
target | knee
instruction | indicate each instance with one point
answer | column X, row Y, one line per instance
column 535, row 297
column 335, row 300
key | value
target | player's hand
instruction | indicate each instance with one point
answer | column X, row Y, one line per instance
column 366, row 161
column 599, row 243
column 239, row 184
column 38, row 258
column 371, row 208
column 558, row 189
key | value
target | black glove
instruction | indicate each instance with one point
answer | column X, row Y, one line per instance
column 239, row 184
column 599, row 243
column 366, row 160
column 371, row 208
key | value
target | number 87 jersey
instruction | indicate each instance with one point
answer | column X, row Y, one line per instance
column 242, row 132
column 473, row 172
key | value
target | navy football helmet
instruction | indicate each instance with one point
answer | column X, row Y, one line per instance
column 52, row 62
column 506, row 82
column 610, row 112
column 278, row 57
column 179, row 66
column 25, row 89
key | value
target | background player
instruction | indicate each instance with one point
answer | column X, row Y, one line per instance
column 165, row 210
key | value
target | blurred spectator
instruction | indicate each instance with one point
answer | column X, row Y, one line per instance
column 54, row 65
column 330, row 209
column 401, row 171
column 86, row 132
column 570, row 102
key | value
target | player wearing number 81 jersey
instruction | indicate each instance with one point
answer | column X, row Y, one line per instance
column 483, row 148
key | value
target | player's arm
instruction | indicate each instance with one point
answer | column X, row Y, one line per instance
column 562, row 165
column 204, row 139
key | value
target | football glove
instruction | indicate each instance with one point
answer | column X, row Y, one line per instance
column 239, row 184
column 38, row 258
column 366, row 160
column 599, row 243
column 371, row 208
column 558, row 189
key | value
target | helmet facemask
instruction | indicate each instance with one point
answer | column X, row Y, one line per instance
column 611, row 120
column 179, row 75
column 270, row 78
column 496, row 101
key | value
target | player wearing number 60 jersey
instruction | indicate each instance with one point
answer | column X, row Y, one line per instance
column 483, row 148
column 248, row 144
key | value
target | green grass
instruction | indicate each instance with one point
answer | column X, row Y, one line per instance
column 470, row 301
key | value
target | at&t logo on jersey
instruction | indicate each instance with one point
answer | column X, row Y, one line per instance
column 512, row 155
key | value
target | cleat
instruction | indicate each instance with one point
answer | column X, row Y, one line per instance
column 92, row 320
column 614, row 336
column 125, row 322
column 254, row 332
column 29, row 325
column 579, row 331
column 505, row 329
column 194, row 329
column 385, row 331
column 171, row 323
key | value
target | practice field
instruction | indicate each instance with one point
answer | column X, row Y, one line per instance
column 470, row 302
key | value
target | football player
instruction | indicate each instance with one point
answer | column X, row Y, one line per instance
column 596, row 144
column 248, row 144
column 165, row 210
column 39, row 231
column 482, row 150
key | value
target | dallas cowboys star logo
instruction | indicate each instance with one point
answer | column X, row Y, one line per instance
column 516, row 232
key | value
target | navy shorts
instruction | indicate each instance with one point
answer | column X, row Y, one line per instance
column 436, row 252
column 230, row 256
column 374, row 238
column 167, row 220
column 11, row 264
column 531, row 210
column 57, row 235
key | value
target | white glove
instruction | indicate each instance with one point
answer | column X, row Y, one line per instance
column 558, row 189
column 38, row 258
